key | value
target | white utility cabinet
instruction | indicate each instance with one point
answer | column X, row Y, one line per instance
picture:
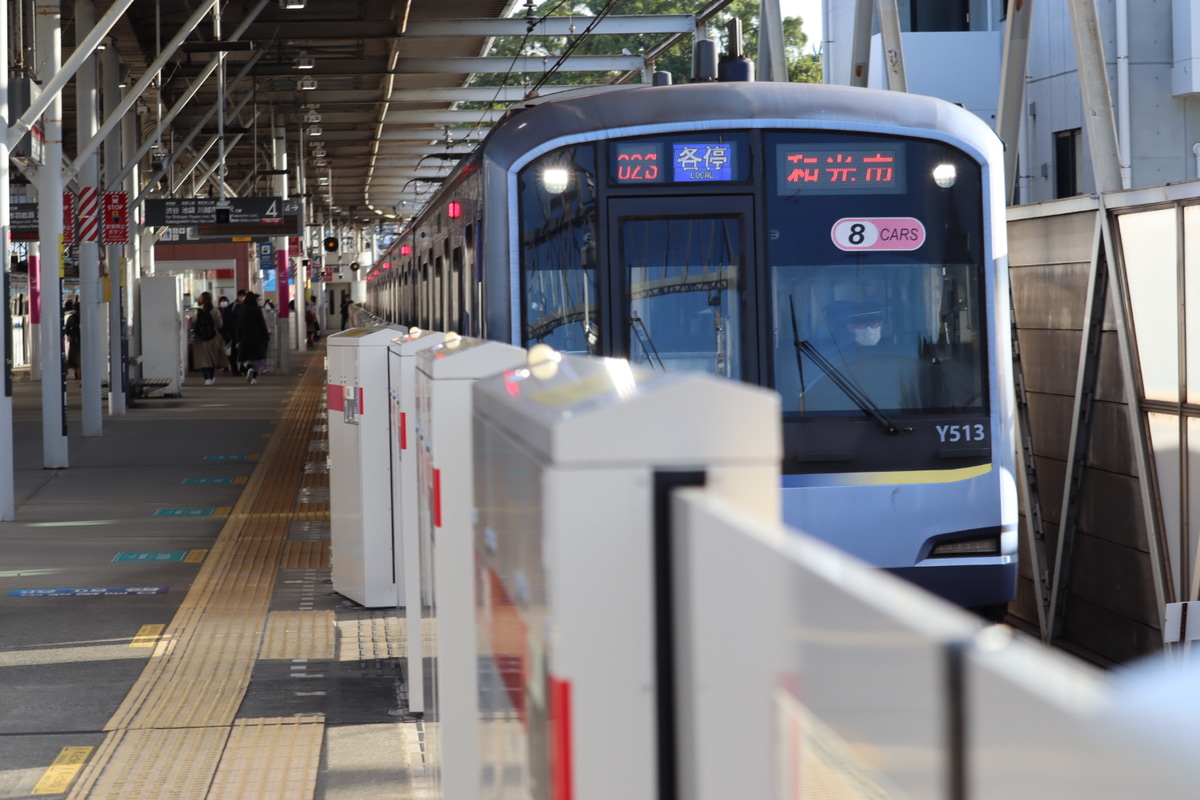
column 576, row 463
column 443, row 443
column 163, row 331
column 402, row 400
column 360, row 489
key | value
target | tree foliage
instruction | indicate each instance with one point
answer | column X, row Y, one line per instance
column 803, row 66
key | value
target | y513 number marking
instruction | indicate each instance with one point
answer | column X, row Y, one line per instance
column 949, row 434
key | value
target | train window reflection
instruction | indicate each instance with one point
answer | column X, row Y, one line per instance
column 558, row 255
column 901, row 337
column 682, row 293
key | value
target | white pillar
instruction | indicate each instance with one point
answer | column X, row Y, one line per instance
column 50, row 229
column 7, row 492
column 133, row 261
column 114, row 253
column 91, row 298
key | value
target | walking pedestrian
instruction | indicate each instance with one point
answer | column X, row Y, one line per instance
column 253, row 338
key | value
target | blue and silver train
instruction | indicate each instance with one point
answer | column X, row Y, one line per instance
column 843, row 246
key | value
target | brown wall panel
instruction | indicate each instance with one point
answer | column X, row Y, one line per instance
column 1050, row 296
column 1049, row 423
column 1050, row 360
column 1112, row 509
column 1110, row 447
column 1113, row 577
column 1112, row 637
column 1052, row 240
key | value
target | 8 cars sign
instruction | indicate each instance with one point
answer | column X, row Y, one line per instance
column 878, row 233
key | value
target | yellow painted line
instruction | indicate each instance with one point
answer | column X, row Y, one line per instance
column 147, row 636
column 195, row 557
column 58, row 776
column 222, row 511
column 240, row 480
column 254, row 456
column 266, row 435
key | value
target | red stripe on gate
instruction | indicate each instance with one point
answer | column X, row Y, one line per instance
column 337, row 397
column 437, row 498
column 361, row 402
column 403, row 430
column 560, row 738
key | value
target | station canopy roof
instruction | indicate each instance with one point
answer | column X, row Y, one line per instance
column 374, row 98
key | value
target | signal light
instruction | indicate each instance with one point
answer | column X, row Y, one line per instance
column 331, row 244
column 354, row 266
column 406, row 249
column 454, row 210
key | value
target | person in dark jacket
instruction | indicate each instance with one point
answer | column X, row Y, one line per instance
column 229, row 312
column 253, row 337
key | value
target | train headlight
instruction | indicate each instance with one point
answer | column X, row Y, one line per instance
column 944, row 175
column 985, row 546
column 555, row 179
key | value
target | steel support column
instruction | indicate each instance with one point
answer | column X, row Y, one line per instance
column 47, row 22
column 7, row 490
column 91, row 316
column 110, row 96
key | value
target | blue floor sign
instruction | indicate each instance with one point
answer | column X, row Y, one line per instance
column 89, row 592
column 171, row 556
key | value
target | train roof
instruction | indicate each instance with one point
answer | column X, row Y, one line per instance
column 717, row 105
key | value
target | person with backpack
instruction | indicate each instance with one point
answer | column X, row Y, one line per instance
column 208, row 348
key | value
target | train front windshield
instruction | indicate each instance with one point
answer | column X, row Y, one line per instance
column 875, row 277
column 845, row 270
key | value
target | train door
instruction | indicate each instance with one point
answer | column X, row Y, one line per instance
column 680, row 270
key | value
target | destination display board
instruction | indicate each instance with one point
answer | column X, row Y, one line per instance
column 240, row 216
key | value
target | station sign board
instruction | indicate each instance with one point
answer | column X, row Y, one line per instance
column 241, row 216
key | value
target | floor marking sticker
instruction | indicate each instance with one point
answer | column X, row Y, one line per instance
column 58, row 776
column 185, row 512
column 195, row 556
column 147, row 636
column 177, row 555
column 110, row 591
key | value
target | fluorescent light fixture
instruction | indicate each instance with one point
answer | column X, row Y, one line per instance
column 315, row 130
column 292, row 3
column 305, row 61
column 306, row 84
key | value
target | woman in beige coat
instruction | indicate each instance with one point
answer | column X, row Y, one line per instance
column 208, row 347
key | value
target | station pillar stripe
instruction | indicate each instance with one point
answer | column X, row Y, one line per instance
column 89, row 209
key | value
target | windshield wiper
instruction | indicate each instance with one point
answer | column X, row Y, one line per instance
column 847, row 385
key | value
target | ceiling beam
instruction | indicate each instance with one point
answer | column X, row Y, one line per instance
column 552, row 26
column 462, row 65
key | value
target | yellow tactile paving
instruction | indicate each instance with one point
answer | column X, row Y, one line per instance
column 364, row 635
column 298, row 634
column 170, row 732
column 306, row 555
column 153, row 765
column 288, row 773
